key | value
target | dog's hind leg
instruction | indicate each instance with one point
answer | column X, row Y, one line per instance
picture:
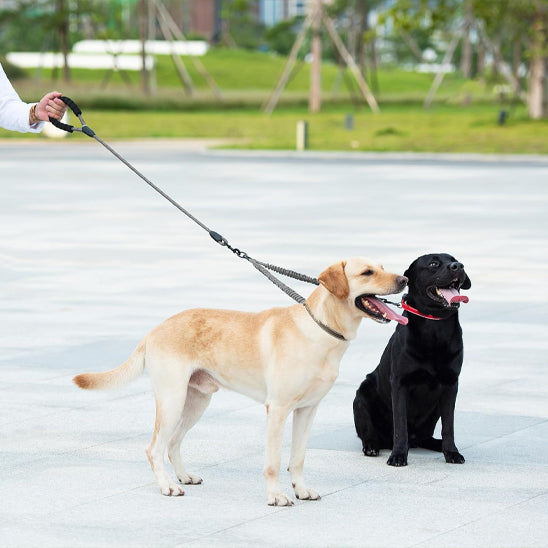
column 302, row 423
column 432, row 444
column 364, row 428
column 372, row 419
column 195, row 405
column 425, row 432
column 169, row 408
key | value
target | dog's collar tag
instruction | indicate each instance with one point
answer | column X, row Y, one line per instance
column 409, row 308
column 326, row 328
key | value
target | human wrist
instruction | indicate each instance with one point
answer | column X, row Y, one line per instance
column 33, row 119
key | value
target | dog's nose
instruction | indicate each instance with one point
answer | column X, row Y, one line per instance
column 456, row 266
column 401, row 281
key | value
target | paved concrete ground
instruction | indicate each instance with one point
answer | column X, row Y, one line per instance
column 91, row 259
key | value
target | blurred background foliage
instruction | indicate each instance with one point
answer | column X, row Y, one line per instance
column 498, row 63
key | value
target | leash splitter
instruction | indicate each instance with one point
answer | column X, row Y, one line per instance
column 263, row 268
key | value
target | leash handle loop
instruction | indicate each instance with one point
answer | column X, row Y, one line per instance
column 58, row 124
column 71, row 104
column 78, row 112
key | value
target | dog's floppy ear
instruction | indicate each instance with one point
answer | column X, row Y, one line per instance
column 467, row 284
column 409, row 272
column 334, row 280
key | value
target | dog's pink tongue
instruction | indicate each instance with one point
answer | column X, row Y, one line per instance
column 453, row 296
column 390, row 314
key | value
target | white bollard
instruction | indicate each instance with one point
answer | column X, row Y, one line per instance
column 302, row 135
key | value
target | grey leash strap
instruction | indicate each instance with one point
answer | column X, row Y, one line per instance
column 263, row 268
column 278, row 283
column 290, row 273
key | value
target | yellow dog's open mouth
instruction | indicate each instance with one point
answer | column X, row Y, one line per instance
column 378, row 311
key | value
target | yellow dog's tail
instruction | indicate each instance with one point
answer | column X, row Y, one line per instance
column 131, row 369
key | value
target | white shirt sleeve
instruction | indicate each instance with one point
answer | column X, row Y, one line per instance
column 14, row 113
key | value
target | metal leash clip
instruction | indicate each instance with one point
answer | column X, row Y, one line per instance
column 386, row 301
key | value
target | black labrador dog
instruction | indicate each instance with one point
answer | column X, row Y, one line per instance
column 398, row 405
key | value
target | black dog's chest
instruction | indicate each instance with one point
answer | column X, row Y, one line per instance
column 430, row 362
column 430, row 377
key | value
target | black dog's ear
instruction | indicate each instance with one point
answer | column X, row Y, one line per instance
column 467, row 283
column 408, row 273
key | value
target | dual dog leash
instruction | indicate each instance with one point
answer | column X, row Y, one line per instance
column 264, row 268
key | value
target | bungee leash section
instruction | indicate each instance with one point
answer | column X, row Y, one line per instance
column 263, row 268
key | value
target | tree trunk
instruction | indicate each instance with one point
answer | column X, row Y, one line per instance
column 315, row 99
column 537, row 69
column 374, row 65
column 537, row 83
column 143, row 30
column 362, row 28
column 481, row 60
column 516, row 58
column 497, row 57
column 466, row 59
column 63, row 36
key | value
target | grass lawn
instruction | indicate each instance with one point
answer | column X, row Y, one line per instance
column 462, row 119
column 440, row 129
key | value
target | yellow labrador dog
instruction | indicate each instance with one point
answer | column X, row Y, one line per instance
column 287, row 358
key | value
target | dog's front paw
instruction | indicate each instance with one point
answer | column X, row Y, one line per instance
column 397, row 459
column 453, row 457
column 189, row 479
column 370, row 450
column 278, row 499
column 172, row 490
column 307, row 494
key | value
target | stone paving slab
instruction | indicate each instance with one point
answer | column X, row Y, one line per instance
column 92, row 259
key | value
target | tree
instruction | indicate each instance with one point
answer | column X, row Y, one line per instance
column 54, row 25
column 466, row 57
column 353, row 18
column 421, row 24
column 240, row 26
column 538, row 50
column 280, row 37
column 519, row 31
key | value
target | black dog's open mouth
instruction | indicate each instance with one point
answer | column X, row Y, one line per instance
column 377, row 310
column 449, row 295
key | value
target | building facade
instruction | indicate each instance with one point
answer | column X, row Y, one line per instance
column 272, row 12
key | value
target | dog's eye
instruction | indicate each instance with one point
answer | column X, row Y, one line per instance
column 368, row 272
column 434, row 264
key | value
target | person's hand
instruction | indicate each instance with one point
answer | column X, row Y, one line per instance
column 50, row 105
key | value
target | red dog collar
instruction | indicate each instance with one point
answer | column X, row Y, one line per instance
column 409, row 308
